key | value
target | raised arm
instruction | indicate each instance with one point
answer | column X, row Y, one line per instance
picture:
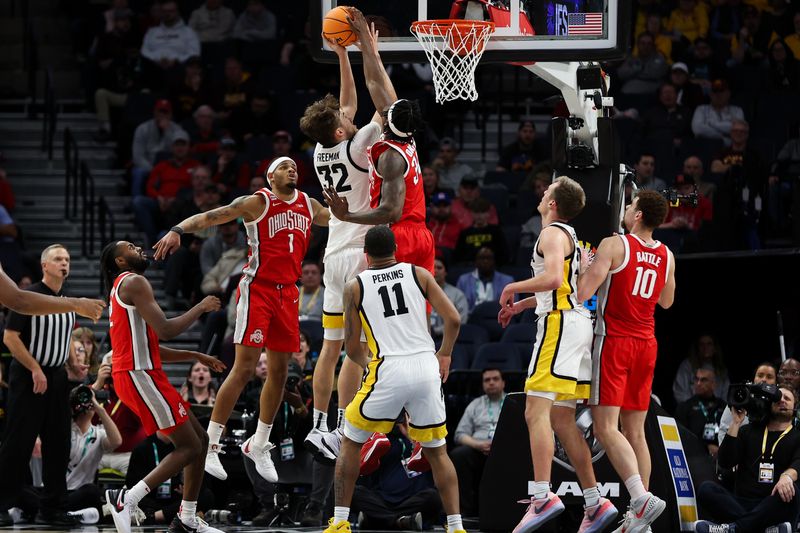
column 31, row 303
column 348, row 97
column 667, row 296
column 137, row 291
column 176, row 356
column 321, row 214
column 379, row 85
column 352, row 324
column 247, row 207
column 594, row 276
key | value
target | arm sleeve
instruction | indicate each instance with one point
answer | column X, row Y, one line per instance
column 16, row 321
column 699, row 125
column 460, row 301
column 731, row 447
column 192, row 44
column 149, row 49
column 363, row 139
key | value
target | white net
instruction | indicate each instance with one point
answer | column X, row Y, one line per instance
column 454, row 48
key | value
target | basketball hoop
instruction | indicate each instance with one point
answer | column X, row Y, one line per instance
column 454, row 48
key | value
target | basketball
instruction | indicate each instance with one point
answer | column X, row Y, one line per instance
column 336, row 28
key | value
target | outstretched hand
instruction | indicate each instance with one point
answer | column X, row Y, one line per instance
column 338, row 204
column 336, row 47
column 89, row 308
column 211, row 362
column 167, row 245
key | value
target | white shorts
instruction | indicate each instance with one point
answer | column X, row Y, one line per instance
column 340, row 267
column 562, row 356
column 396, row 382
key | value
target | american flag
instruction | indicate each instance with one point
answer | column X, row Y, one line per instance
column 585, row 24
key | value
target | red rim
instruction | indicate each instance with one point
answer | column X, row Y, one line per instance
column 461, row 24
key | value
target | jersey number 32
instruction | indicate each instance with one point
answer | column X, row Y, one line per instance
column 335, row 173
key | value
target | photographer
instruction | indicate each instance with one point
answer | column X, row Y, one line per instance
column 767, row 460
column 765, row 373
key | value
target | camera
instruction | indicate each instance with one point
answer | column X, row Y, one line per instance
column 755, row 398
column 80, row 400
column 223, row 516
column 101, row 395
column 294, row 377
column 677, row 199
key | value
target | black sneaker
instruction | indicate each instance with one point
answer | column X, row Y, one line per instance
column 265, row 517
column 312, row 515
column 56, row 518
column 410, row 522
column 5, row 519
column 201, row 526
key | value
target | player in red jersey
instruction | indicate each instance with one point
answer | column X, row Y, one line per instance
column 278, row 224
column 136, row 323
column 634, row 273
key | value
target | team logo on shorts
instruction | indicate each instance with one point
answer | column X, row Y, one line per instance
column 181, row 409
column 583, row 419
column 257, row 337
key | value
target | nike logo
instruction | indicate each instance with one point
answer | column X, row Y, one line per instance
column 295, row 300
column 641, row 513
column 247, row 447
column 544, row 506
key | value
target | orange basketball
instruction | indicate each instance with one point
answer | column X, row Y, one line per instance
column 336, row 28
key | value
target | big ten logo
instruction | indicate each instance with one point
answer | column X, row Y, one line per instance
column 561, row 13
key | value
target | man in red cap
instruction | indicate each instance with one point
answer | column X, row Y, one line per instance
column 151, row 137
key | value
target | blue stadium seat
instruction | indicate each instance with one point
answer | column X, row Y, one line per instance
column 519, row 333
column 519, row 273
column 502, row 355
column 471, row 337
column 498, row 196
column 511, row 234
column 510, row 180
column 485, row 315
column 313, row 329
column 455, row 271
column 462, row 358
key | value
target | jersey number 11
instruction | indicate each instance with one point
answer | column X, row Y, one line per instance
column 388, row 310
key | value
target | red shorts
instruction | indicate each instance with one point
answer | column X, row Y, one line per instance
column 267, row 316
column 150, row 395
column 414, row 245
column 622, row 372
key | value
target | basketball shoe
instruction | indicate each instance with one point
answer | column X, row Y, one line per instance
column 649, row 508
column 372, row 451
column 121, row 511
column 342, row 526
column 261, row 457
column 199, row 526
column 417, row 462
column 213, row 464
column 331, row 443
column 539, row 512
column 604, row 513
column 313, row 441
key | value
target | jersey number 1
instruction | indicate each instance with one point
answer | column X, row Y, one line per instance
column 645, row 282
column 388, row 310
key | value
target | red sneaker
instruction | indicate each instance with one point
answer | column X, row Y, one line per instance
column 417, row 461
column 372, row 451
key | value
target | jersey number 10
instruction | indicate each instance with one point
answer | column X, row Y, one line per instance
column 645, row 282
column 388, row 310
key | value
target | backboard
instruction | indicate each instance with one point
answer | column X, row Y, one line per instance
column 526, row 30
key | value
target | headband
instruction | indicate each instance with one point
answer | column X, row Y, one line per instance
column 277, row 162
column 391, row 124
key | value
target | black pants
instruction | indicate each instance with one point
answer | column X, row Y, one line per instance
column 88, row 495
column 382, row 515
column 46, row 415
column 469, row 464
column 747, row 513
column 182, row 273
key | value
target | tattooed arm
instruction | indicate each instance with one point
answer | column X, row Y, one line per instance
column 352, row 324
column 321, row 214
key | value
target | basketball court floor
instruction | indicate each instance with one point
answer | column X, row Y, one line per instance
column 103, row 528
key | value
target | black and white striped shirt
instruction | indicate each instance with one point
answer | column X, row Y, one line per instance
column 48, row 336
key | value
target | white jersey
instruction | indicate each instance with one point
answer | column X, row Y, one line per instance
column 566, row 296
column 393, row 311
column 345, row 168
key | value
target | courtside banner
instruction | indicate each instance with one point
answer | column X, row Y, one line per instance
column 679, row 469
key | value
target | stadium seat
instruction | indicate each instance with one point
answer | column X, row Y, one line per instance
column 519, row 333
column 312, row 328
column 455, row 271
column 511, row 234
column 485, row 315
column 510, row 180
column 525, row 206
column 498, row 195
column 502, row 355
column 519, row 273
column 471, row 337
column 462, row 358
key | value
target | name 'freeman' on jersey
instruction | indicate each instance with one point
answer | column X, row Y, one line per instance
column 327, row 157
column 288, row 220
column 387, row 276
column 648, row 257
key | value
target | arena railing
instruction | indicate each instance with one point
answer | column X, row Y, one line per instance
column 49, row 115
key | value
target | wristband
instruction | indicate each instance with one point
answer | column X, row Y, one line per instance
column 177, row 229
column 787, row 475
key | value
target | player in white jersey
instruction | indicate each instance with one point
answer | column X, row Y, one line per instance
column 560, row 369
column 342, row 163
column 388, row 303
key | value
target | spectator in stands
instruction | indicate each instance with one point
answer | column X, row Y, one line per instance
column 749, row 45
column 784, row 180
column 702, row 412
column 765, row 373
column 204, row 137
column 793, row 39
column 166, row 179
column 474, row 436
column 690, row 95
column 115, row 57
column 430, row 183
column 479, row 235
column 705, row 351
column 311, row 292
column 394, row 496
column 663, row 41
column 522, row 154
column 191, row 92
column 88, row 443
column 228, row 237
column 126, row 421
column 161, row 504
column 789, row 373
column 693, row 167
column 454, row 293
column 686, row 23
column 150, row 138
column 78, row 371
column 282, row 147
column 7, row 198
column 468, row 192
column 783, row 75
column 230, row 172
column 260, row 118
column 256, row 23
column 303, row 357
column 668, row 121
column 714, row 120
column 212, row 22
column 234, row 90
column 451, row 171
column 643, row 73
column 681, row 227
column 767, row 463
column 704, row 66
column 645, row 173
column 86, row 338
column 168, row 45
column 726, row 19
column 199, row 387
column 10, row 250
column 485, row 283
column 443, row 224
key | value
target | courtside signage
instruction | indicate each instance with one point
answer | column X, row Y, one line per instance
column 679, row 469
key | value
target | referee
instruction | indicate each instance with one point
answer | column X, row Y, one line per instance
column 38, row 394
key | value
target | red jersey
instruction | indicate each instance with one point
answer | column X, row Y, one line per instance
column 133, row 341
column 278, row 239
column 627, row 299
column 414, row 206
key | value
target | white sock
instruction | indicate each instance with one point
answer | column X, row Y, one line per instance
column 188, row 512
column 340, row 514
column 261, row 438
column 540, row 489
column 135, row 495
column 340, row 418
column 320, row 420
column 591, row 498
column 635, row 487
column 454, row 523
column 214, row 433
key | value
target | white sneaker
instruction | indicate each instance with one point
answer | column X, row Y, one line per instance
column 313, row 441
column 261, row 457
column 213, row 464
column 121, row 512
column 199, row 526
column 89, row 515
column 331, row 443
column 639, row 521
